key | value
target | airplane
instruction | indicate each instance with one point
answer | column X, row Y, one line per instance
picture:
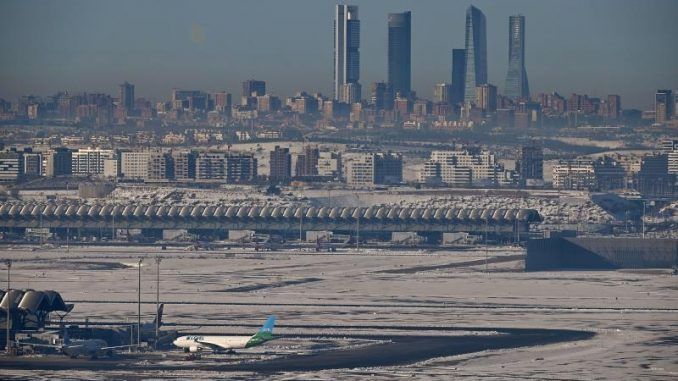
column 91, row 348
column 148, row 328
column 194, row 343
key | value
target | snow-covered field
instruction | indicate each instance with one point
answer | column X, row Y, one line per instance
column 633, row 313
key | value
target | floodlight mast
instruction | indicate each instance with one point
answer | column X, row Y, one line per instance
column 9, row 305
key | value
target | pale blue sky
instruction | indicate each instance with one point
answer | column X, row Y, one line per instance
column 627, row 47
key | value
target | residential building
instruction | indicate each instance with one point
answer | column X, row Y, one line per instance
column 530, row 166
column 226, row 167
column 280, row 164
column 369, row 169
column 574, row 174
column 184, row 165
column 90, row 161
column 58, row 162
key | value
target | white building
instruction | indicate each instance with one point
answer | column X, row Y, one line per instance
column 134, row 165
column 90, row 161
column 369, row 169
column 462, row 168
column 329, row 164
column 574, row 174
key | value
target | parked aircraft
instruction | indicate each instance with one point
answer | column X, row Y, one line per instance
column 196, row 343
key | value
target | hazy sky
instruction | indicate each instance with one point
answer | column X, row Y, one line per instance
column 626, row 47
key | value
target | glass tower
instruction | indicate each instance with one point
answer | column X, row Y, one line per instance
column 516, row 78
column 458, row 70
column 400, row 52
column 476, row 53
column 346, row 48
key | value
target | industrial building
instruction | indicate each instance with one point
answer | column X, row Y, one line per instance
column 29, row 310
column 15, row 216
column 594, row 253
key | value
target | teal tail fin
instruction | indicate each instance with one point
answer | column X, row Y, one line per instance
column 268, row 326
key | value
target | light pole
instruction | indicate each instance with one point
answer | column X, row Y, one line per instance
column 357, row 227
column 642, row 219
column 139, row 306
column 301, row 223
column 9, row 304
column 157, row 301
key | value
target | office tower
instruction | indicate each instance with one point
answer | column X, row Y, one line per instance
column 517, row 86
column 400, row 52
column 663, row 106
column 253, row 88
column 531, row 163
column 222, row 101
column 350, row 93
column 442, row 93
column 280, row 165
column 458, row 75
column 486, row 97
column 476, row 53
column 382, row 96
column 346, row 48
column 126, row 97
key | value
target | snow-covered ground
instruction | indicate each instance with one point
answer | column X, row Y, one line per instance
column 633, row 313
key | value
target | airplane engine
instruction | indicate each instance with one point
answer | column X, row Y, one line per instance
column 194, row 349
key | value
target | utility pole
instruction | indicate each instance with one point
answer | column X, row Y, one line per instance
column 139, row 307
column 157, row 301
column 9, row 305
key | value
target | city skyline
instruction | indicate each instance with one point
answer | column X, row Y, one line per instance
column 77, row 63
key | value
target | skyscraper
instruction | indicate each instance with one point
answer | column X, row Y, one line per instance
column 346, row 48
column 663, row 106
column 126, row 97
column 476, row 53
column 458, row 75
column 442, row 93
column 252, row 87
column 517, row 86
column 382, row 96
column 400, row 52
column 486, row 98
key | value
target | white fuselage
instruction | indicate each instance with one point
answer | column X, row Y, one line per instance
column 211, row 342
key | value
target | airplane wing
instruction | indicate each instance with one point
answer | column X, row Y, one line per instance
column 39, row 345
column 116, row 347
